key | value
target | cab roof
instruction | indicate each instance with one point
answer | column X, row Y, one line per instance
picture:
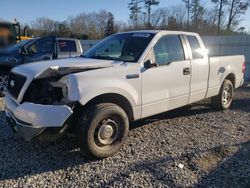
column 161, row 31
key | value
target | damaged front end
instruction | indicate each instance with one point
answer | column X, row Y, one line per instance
column 44, row 109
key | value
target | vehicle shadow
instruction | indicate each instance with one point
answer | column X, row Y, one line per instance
column 19, row 158
column 242, row 102
column 181, row 112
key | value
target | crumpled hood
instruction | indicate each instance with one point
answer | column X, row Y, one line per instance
column 59, row 67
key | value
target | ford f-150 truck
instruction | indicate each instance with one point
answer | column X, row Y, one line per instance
column 126, row 77
column 38, row 49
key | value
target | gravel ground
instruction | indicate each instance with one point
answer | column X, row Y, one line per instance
column 198, row 147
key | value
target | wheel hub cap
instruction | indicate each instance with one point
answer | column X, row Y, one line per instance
column 106, row 131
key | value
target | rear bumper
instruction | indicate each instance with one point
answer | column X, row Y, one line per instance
column 29, row 119
column 242, row 82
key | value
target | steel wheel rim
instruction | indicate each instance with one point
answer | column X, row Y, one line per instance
column 107, row 132
column 227, row 95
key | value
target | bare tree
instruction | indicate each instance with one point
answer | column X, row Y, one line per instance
column 159, row 18
column 219, row 6
column 62, row 29
column 188, row 7
column 236, row 9
column 78, row 25
column 179, row 13
column 135, row 10
column 210, row 20
column 148, row 6
column 93, row 24
column 197, row 12
column 120, row 26
column 110, row 26
column 43, row 26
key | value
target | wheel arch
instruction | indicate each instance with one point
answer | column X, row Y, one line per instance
column 114, row 98
column 231, row 77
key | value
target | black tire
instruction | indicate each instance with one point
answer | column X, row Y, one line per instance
column 225, row 97
column 4, row 75
column 103, row 130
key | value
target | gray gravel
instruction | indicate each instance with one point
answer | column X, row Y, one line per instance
column 198, row 147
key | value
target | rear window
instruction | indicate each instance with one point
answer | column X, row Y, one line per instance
column 195, row 47
column 67, row 46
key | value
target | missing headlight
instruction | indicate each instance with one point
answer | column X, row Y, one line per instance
column 45, row 91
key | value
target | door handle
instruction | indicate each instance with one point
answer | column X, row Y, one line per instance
column 186, row 71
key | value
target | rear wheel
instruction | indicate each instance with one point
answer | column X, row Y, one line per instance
column 3, row 82
column 225, row 97
column 103, row 130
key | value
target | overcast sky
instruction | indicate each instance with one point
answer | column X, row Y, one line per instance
column 28, row 10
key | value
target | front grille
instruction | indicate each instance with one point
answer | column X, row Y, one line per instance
column 15, row 84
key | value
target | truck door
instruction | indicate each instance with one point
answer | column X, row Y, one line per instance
column 167, row 85
column 41, row 49
column 199, row 67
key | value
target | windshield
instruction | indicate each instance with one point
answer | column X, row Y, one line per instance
column 19, row 45
column 121, row 47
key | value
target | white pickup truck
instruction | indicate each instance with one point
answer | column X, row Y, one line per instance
column 126, row 77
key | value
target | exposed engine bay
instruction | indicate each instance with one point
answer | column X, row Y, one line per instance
column 46, row 91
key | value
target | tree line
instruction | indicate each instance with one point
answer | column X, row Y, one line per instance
column 223, row 17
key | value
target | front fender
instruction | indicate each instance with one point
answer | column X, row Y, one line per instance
column 83, row 91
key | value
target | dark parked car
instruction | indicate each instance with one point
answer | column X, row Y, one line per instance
column 38, row 49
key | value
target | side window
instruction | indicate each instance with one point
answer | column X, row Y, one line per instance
column 168, row 49
column 195, row 46
column 67, row 46
column 42, row 46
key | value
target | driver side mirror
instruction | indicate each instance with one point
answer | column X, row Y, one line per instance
column 149, row 64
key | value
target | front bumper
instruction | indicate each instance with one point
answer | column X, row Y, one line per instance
column 29, row 119
column 26, row 131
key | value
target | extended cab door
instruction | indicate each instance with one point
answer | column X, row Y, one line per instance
column 39, row 50
column 167, row 85
column 199, row 67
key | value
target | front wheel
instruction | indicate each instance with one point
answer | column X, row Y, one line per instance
column 225, row 97
column 103, row 130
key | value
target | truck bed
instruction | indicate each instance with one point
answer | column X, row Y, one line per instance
column 221, row 66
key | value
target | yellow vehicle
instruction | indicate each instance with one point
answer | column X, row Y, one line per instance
column 10, row 33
